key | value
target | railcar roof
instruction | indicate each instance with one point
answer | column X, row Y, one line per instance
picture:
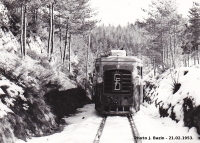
column 121, row 59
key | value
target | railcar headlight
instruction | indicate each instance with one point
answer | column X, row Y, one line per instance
column 99, row 79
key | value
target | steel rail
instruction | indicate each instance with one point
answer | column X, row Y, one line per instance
column 135, row 133
column 100, row 130
column 134, row 130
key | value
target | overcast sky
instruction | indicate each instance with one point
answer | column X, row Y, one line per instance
column 121, row 12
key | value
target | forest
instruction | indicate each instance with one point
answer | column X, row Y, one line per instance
column 164, row 36
column 70, row 28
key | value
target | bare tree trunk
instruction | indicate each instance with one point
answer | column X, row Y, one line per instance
column 167, row 55
column 50, row 41
column 173, row 63
column 174, row 53
column 64, row 52
column 174, row 39
column 163, row 53
column 198, row 53
column 60, row 36
column 52, row 31
column 69, row 52
column 154, row 66
column 170, row 47
column 24, row 37
column 88, row 47
column 22, row 31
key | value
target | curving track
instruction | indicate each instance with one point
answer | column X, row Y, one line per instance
column 108, row 132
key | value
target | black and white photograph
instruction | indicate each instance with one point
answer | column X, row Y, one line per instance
column 99, row 71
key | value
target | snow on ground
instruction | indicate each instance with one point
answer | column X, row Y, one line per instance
column 82, row 128
column 117, row 130
column 150, row 125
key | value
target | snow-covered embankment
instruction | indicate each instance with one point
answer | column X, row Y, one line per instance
column 177, row 94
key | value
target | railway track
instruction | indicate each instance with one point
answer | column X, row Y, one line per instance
column 132, row 126
column 134, row 129
column 100, row 130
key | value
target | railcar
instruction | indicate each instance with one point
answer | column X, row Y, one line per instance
column 117, row 83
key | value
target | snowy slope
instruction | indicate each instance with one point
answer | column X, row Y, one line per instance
column 176, row 94
column 150, row 125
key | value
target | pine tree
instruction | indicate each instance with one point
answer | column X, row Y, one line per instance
column 160, row 25
column 194, row 20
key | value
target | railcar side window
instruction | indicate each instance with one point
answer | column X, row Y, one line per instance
column 139, row 70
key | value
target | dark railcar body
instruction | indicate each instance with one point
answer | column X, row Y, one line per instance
column 117, row 85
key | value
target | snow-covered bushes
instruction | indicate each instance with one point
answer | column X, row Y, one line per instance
column 23, row 112
column 32, row 116
column 176, row 94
